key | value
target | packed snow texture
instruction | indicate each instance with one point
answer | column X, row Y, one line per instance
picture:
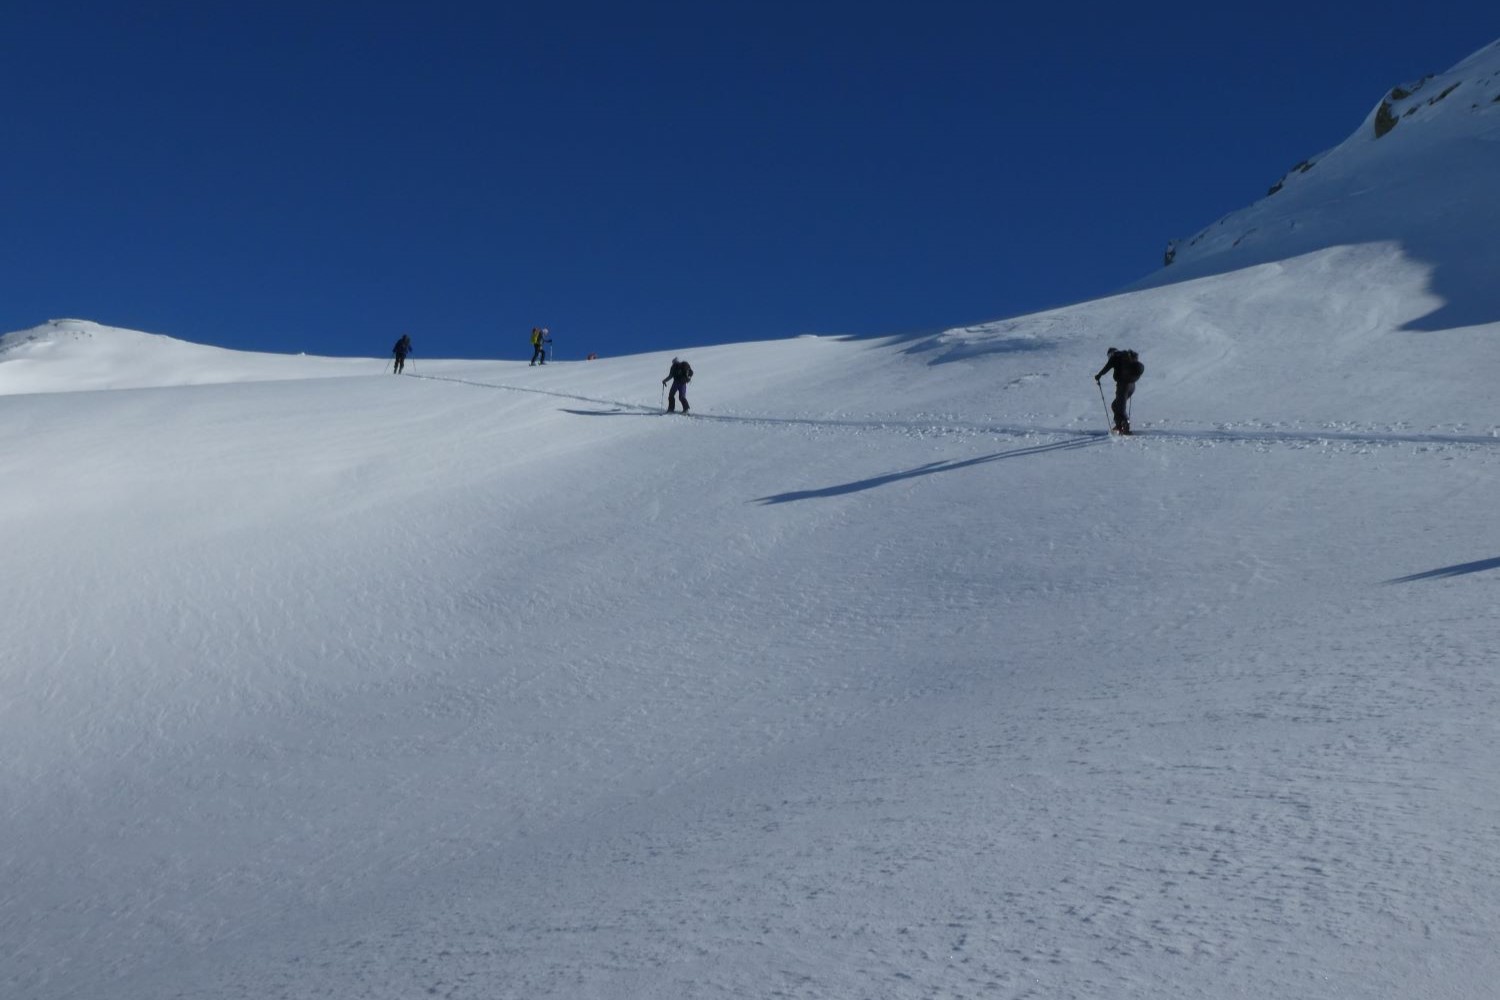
column 887, row 673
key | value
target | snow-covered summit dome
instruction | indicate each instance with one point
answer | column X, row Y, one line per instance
column 1419, row 172
column 66, row 355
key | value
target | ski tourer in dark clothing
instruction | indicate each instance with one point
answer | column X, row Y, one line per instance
column 539, row 342
column 1128, row 370
column 401, row 350
column 680, row 374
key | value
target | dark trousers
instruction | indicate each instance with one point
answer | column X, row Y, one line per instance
column 538, row 351
column 400, row 363
column 1123, row 392
column 678, row 391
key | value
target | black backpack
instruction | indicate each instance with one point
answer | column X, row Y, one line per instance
column 1131, row 367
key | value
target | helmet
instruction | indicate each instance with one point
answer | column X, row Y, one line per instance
column 1113, row 350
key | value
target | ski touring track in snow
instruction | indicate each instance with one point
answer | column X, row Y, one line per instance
column 1228, row 434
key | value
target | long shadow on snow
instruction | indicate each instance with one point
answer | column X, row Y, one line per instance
column 985, row 343
column 931, row 468
column 1445, row 571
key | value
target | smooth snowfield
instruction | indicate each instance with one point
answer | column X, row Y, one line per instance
column 885, row 674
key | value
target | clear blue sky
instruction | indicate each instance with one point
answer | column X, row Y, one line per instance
column 321, row 176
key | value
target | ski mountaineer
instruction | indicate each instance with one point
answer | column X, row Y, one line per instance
column 680, row 374
column 539, row 342
column 1128, row 370
column 401, row 350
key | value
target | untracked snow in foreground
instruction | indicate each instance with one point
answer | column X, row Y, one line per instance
column 884, row 674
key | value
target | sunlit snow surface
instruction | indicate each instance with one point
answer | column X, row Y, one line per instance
column 884, row 674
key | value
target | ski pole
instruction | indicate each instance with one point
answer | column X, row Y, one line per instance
column 1104, row 404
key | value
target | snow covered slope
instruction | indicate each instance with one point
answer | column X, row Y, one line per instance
column 885, row 674
column 1419, row 173
column 69, row 355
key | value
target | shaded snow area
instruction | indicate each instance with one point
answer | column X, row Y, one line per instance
column 885, row 674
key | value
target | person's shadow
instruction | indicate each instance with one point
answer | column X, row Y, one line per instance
column 1459, row 569
column 930, row 469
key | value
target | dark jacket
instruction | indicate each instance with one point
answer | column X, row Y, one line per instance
column 680, row 371
column 403, row 347
column 1127, row 367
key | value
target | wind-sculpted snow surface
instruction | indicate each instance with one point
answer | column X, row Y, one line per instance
column 887, row 673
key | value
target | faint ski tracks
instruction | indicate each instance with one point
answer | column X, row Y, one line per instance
column 1227, row 435
column 636, row 407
